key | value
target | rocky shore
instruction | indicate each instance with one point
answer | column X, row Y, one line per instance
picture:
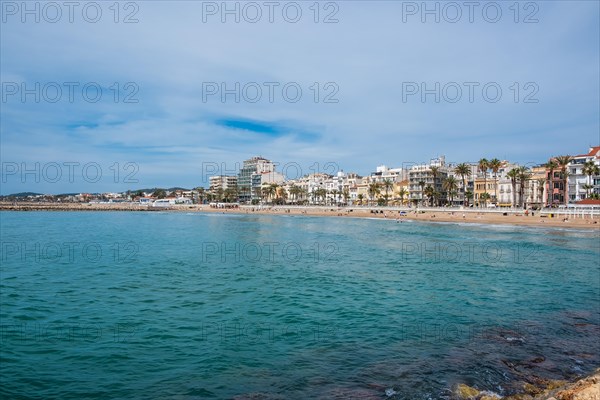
column 587, row 388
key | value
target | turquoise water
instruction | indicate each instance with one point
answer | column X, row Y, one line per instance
column 193, row 306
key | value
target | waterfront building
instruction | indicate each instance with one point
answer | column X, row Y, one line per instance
column 223, row 182
column 422, row 176
column 581, row 185
column 255, row 172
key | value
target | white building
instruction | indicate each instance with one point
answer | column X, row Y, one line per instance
column 577, row 181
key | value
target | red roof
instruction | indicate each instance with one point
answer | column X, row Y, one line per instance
column 594, row 152
column 591, row 202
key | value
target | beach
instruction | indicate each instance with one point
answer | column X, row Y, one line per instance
column 468, row 215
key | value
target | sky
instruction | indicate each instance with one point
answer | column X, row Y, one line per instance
column 98, row 97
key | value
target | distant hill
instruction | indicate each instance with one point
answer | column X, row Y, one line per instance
column 23, row 194
column 153, row 189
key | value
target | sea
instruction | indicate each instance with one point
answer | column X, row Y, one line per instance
column 176, row 305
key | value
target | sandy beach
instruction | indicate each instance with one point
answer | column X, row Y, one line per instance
column 478, row 216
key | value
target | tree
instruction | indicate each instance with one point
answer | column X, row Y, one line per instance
column 430, row 193
column 450, row 185
column 524, row 177
column 563, row 162
column 541, row 183
column 159, row 193
column 402, row 192
column 513, row 175
column 201, row 194
column 464, row 170
column 468, row 196
column 360, row 198
column 346, row 195
column 320, row 193
column 485, row 197
column 387, row 185
column 482, row 166
column 551, row 165
column 295, row 192
column 590, row 169
column 374, row 190
column 495, row 166
column 422, row 186
column 270, row 191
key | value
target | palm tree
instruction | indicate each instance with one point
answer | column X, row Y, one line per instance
column 551, row 165
column 524, row 176
column 201, row 194
column 563, row 162
column 541, row 183
column 485, row 197
column 402, row 192
column 295, row 191
column 266, row 192
column 468, row 196
column 482, row 166
column 346, row 195
column 360, row 198
column 422, row 185
column 430, row 193
column 387, row 185
column 495, row 166
column 513, row 174
column 590, row 169
column 450, row 185
column 374, row 190
column 464, row 170
column 321, row 193
column 435, row 172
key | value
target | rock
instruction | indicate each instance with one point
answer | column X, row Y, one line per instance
column 531, row 389
column 584, row 389
column 465, row 392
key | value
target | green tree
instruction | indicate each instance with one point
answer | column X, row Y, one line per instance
column 159, row 193
column 590, row 169
column 495, row 165
column 464, row 171
column 541, row 183
column 551, row 166
column 374, row 190
column 387, row 185
column 295, row 192
column 422, row 187
column 482, row 166
column 513, row 175
column 524, row 177
column 402, row 193
column 563, row 162
column 450, row 185
column 429, row 191
column 468, row 196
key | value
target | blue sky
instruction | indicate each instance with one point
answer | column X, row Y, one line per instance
column 357, row 78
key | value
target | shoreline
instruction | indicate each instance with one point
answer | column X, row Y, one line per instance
column 561, row 218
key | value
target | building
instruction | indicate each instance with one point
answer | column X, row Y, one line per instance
column 422, row 176
column 223, row 182
column 254, row 173
column 581, row 185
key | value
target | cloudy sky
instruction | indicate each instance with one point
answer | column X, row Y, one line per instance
column 163, row 93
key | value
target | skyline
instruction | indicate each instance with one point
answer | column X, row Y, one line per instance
column 180, row 120
column 91, row 174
